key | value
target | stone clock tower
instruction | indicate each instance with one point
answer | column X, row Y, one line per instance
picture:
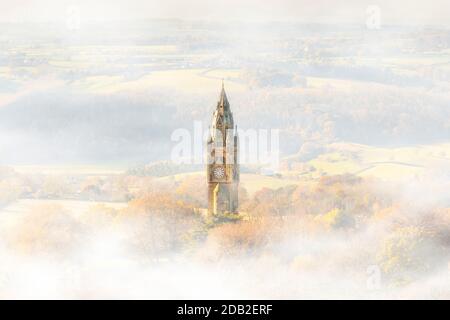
column 223, row 166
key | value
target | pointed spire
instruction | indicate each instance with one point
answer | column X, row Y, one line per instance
column 223, row 117
column 223, row 100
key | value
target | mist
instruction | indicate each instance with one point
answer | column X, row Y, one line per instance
column 341, row 237
column 92, row 204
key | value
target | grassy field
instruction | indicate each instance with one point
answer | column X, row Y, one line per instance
column 10, row 214
column 189, row 80
column 251, row 182
column 384, row 163
column 91, row 170
column 349, row 158
column 339, row 158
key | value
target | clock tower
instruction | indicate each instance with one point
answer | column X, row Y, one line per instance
column 223, row 167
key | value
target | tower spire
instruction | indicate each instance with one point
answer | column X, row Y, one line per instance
column 223, row 100
column 223, row 166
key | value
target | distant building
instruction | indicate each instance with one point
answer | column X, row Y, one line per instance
column 223, row 166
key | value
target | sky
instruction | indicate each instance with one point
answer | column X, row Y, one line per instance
column 318, row 11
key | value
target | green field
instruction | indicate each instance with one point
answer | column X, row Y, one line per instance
column 384, row 163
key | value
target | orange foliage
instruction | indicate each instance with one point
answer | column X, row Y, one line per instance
column 47, row 229
column 241, row 238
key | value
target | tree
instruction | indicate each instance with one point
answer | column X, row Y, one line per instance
column 160, row 224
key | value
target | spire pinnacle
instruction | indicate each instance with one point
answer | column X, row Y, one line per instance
column 223, row 101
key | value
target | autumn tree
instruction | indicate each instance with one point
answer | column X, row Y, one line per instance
column 161, row 224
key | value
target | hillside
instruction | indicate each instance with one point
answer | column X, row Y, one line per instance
column 363, row 160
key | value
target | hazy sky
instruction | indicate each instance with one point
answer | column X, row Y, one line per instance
column 348, row 11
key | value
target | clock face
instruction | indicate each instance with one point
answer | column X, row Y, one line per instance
column 219, row 172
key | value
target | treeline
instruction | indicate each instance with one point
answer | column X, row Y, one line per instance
column 340, row 222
